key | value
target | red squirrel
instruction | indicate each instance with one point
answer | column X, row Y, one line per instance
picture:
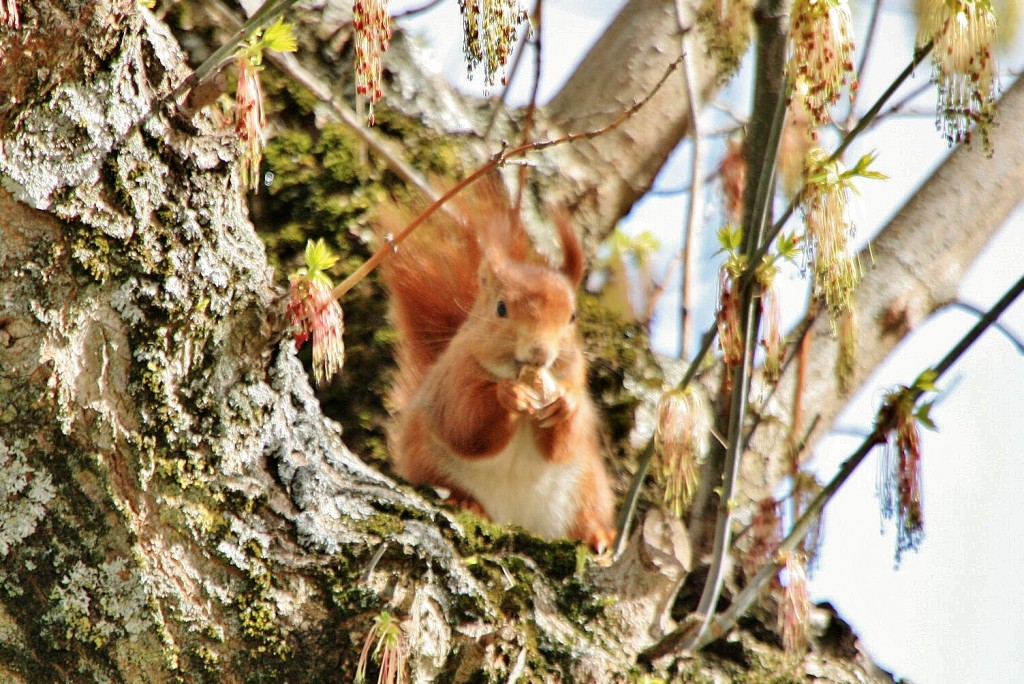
column 491, row 397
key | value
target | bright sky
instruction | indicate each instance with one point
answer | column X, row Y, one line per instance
column 953, row 613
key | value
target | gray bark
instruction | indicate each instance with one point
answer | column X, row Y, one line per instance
column 603, row 177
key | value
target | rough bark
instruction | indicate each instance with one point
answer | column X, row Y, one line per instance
column 175, row 507
column 603, row 177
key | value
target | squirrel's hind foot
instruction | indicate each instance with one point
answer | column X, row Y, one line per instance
column 467, row 503
column 599, row 539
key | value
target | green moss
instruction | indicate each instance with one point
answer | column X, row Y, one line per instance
column 622, row 367
column 617, row 348
column 205, row 662
column 91, row 252
column 349, row 594
column 557, row 558
column 269, row 650
column 383, row 526
column 433, row 153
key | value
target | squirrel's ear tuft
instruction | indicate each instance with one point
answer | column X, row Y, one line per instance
column 490, row 265
column 573, row 263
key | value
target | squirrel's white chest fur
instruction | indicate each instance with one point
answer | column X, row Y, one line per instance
column 518, row 486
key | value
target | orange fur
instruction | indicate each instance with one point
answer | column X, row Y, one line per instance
column 472, row 306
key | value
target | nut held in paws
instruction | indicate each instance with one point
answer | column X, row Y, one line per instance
column 540, row 381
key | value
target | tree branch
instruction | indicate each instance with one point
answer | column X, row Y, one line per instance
column 749, row 594
column 762, row 150
column 916, row 264
column 598, row 180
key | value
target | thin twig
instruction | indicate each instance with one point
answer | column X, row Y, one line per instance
column 496, row 161
column 629, row 504
column 413, row 11
column 268, row 12
column 692, row 189
column 695, row 207
column 869, row 40
column 898, row 106
column 531, row 109
column 749, row 594
column 1010, row 335
column 685, row 187
column 377, row 143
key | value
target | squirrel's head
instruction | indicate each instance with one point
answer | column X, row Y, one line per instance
column 525, row 309
column 525, row 314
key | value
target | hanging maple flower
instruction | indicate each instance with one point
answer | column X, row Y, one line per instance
column 963, row 33
column 730, row 336
column 898, row 482
column 389, row 648
column 799, row 135
column 765, row 535
column 730, row 333
column 829, row 230
column 806, row 488
column 787, row 248
column 679, row 435
column 733, row 173
column 490, row 29
column 250, row 119
column 9, row 13
column 726, row 29
column 472, row 50
column 821, row 53
column 312, row 311
column 373, row 28
column 795, row 616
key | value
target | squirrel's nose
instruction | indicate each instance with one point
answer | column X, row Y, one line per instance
column 538, row 355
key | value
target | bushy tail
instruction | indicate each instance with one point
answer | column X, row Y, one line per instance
column 432, row 279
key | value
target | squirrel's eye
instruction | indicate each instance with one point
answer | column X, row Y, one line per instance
column 502, row 310
column 572, row 319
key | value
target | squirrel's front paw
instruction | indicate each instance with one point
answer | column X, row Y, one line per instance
column 558, row 411
column 516, row 397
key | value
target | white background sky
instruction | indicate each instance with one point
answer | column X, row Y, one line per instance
column 953, row 613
